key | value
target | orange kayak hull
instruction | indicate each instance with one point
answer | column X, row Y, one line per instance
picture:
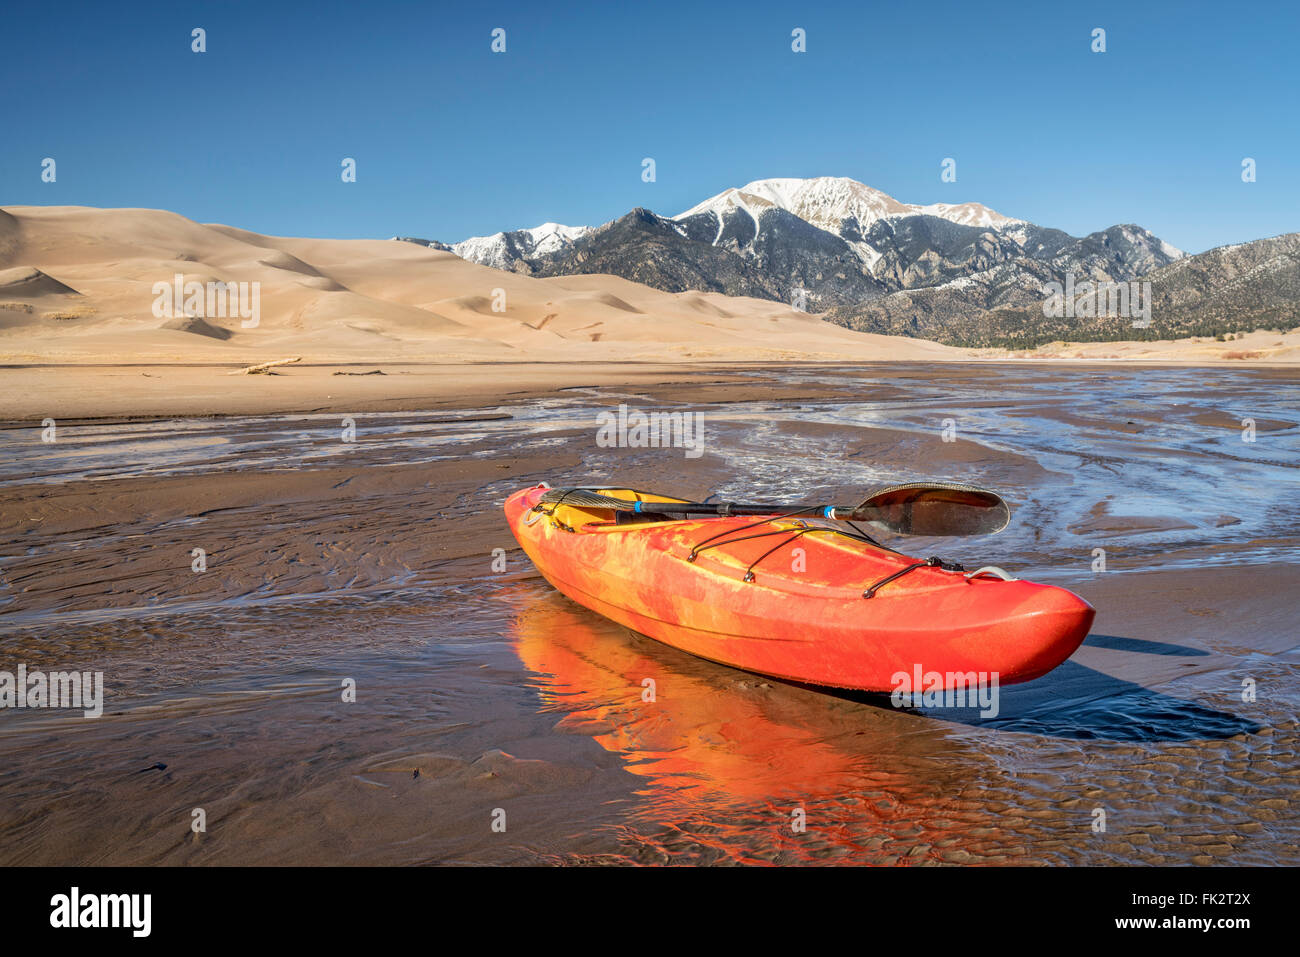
column 802, row 616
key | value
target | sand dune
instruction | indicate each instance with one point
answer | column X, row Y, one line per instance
column 24, row 282
column 356, row 301
column 197, row 326
column 79, row 284
column 697, row 302
column 1260, row 346
column 8, row 234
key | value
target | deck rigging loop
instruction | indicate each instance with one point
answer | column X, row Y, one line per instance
column 991, row 570
column 731, row 536
column 928, row 563
column 551, row 514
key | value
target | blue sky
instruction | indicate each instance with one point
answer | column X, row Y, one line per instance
column 452, row 140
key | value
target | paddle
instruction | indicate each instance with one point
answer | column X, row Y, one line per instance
column 914, row 508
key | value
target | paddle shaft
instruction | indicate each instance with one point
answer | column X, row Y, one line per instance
column 911, row 509
column 722, row 509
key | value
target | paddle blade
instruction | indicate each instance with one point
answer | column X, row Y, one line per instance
column 935, row 509
column 586, row 498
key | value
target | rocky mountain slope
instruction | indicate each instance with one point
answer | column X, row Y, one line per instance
column 1228, row 290
column 828, row 243
column 962, row 274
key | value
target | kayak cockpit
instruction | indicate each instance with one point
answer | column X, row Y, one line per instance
column 594, row 518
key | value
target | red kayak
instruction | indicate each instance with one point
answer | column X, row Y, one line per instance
column 822, row 607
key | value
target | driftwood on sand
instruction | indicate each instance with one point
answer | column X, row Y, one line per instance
column 263, row 367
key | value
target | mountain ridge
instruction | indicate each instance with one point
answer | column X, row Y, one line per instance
column 822, row 243
column 961, row 273
column 1229, row 290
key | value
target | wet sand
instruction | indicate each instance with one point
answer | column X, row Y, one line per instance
column 481, row 691
column 120, row 389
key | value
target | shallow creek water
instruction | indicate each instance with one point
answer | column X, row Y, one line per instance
column 483, row 696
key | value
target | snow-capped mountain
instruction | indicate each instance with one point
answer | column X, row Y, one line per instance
column 503, row 250
column 829, row 202
column 826, row 202
column 836, row 204
column 831, row 242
